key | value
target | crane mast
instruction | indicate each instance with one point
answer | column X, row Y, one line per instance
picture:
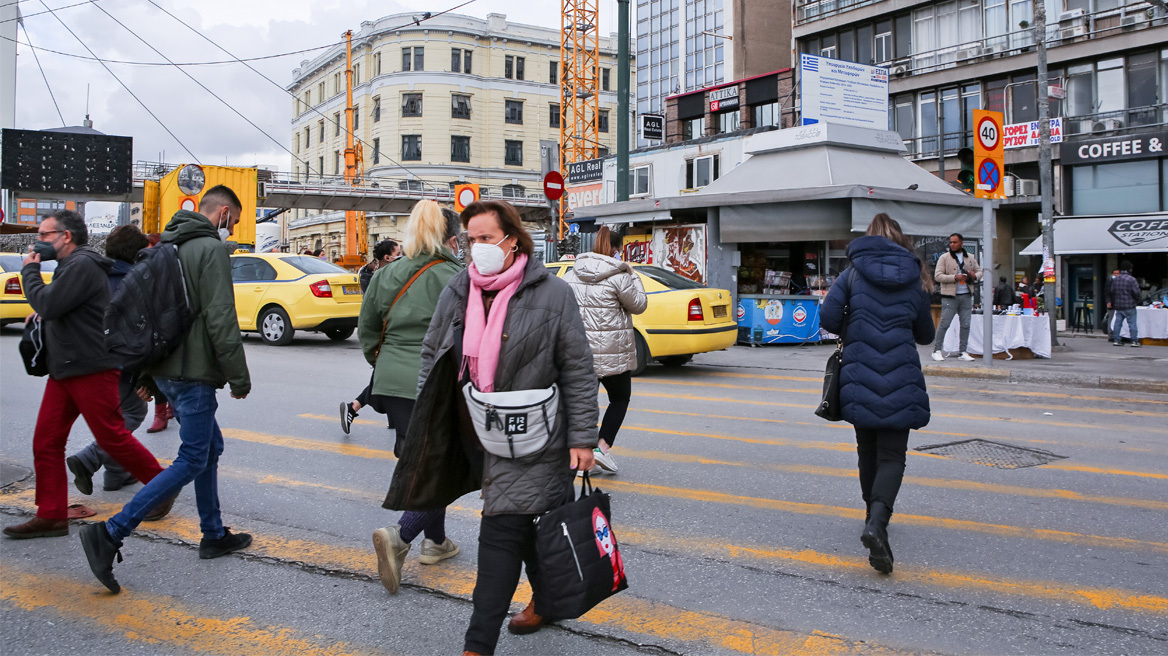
column 579, row 88
column 356, row 231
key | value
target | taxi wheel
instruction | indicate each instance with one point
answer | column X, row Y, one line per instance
column 675, row 360
column 275, row 327
column 642, row 355
column 339, row 334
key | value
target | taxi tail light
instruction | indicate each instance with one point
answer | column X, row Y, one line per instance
column 695, row 310
column 321, row 289
column 12, row 286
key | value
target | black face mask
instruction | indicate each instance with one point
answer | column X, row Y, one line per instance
column 45, row 249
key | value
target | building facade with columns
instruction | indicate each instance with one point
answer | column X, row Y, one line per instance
column 451, row 99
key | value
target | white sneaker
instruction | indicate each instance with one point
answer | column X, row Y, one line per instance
column 965, row 357
column 434, row 553
column 605, row 461
column 391, row 553
column 938, row 356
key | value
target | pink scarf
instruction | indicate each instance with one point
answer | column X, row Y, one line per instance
column 482, row 336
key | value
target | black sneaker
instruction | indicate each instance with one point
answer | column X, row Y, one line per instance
column 100, row 550
column 347, row 416
column 82, row 477
column 224, row 545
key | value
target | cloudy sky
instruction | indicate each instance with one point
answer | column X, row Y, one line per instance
column 247, row 28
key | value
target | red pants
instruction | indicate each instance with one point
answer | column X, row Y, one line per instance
column 95, row 397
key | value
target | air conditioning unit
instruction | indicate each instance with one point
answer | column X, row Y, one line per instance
column 900, row 70
column 1073, row 14
column 1085, row 126
column 1107, row 125
column 1130, row 21
column 1027, row 187
column 988, row 50
column 973, row 52
column 1008, row 186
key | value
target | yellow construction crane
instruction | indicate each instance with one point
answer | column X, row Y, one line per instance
column 356, row 231
column 579, row 90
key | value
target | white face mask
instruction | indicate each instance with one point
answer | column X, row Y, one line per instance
column 224, row 233
column 488, row 258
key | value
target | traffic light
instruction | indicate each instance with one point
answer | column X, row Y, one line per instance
column 965, row 177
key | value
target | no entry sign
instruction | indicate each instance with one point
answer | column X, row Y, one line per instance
column 553, row 185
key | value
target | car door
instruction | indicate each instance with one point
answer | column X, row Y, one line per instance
column 251, row 277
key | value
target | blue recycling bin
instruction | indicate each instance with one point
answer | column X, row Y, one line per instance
column 771, row 319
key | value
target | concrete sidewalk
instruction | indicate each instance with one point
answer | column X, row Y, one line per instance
column 1080, row 361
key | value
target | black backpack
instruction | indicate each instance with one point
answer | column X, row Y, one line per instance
column 149, row 314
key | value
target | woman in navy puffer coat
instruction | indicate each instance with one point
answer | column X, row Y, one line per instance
column 882, row 389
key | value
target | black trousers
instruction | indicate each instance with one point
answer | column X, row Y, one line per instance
column 620, row 391
column 881, row 461
column 506, row 542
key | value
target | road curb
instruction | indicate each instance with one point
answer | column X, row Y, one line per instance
column 1064, row 379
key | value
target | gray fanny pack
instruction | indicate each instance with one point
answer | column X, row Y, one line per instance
column 513, row 424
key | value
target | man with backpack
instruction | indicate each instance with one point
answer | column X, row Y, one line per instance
column 83, row 376
column 209, row 356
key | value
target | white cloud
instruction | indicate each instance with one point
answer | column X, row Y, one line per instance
column 247, row 28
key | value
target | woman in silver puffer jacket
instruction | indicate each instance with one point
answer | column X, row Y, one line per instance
column 609, row 292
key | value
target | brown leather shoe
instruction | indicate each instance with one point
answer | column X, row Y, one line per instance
column 525, row 621
column 160, row 511
column 38, row 527
column 471, row 653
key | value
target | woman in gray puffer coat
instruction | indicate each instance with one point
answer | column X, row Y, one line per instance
column 609, row 292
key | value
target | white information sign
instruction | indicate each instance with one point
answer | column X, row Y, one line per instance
column 835, row 91
column 1019, row 135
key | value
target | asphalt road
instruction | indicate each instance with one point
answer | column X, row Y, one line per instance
column 738, row 511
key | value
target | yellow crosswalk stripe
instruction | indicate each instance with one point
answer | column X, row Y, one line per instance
column 933, row 399
column 164, row 623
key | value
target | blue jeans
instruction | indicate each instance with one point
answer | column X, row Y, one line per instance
column 198, row 461
column 1130, row 317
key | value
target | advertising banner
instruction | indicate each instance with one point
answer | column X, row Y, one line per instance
column 590, row 170
column 1020, row 135
column 585, row 195
column 835, row 91
column 682, row 250
column 638, row 249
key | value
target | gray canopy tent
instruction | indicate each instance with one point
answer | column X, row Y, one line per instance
column 822, row 181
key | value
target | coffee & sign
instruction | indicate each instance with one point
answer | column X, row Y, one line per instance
column 1113, row 149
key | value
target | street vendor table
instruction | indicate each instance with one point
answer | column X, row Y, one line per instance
column 1152, row 323
column 1010, row 332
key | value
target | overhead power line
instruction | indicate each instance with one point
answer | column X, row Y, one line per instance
column 46, row 78
column 201, row 85
column 281, row 87
column 124, row 86
column 49, row 11
column 148, row 63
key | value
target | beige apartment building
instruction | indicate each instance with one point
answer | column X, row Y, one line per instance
column 452, row 99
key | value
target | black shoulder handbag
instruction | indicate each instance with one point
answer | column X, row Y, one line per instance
column 829, row 406
column 33, row 349
column 580, row 563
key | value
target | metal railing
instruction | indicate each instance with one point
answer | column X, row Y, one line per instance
column 813, row 10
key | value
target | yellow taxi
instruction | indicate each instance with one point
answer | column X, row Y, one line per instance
column 14, row 306
column 277, row 294
column 683, row 318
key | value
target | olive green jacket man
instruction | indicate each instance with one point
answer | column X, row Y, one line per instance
column 212, row 351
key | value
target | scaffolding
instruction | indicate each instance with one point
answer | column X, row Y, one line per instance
column 579, row 88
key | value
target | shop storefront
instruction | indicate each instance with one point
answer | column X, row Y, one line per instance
column 1117, row 192
column 774, row 230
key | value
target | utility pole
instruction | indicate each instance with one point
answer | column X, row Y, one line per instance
column 1045, row 176
column 622, row 102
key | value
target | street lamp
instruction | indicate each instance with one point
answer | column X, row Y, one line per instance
column 717, row 36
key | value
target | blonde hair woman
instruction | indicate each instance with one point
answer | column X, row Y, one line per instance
column 394, row 317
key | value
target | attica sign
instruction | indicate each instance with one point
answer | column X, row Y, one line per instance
column 1123, row 147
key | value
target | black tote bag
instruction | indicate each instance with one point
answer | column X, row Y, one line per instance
column 580, row 563
column 829, row 406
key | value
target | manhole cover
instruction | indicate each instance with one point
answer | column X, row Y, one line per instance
column 991, row 454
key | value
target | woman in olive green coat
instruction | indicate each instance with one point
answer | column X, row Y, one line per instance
column 395, row 315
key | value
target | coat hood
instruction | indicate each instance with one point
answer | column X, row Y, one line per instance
column 87, row 253
column 594, row 267
column 883, row 263
column 119, row 268
column 186, row 225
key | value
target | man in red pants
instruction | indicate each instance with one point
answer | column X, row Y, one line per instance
column 83, row 376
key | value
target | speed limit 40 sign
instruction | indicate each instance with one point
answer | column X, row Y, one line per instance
column 988, row 155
